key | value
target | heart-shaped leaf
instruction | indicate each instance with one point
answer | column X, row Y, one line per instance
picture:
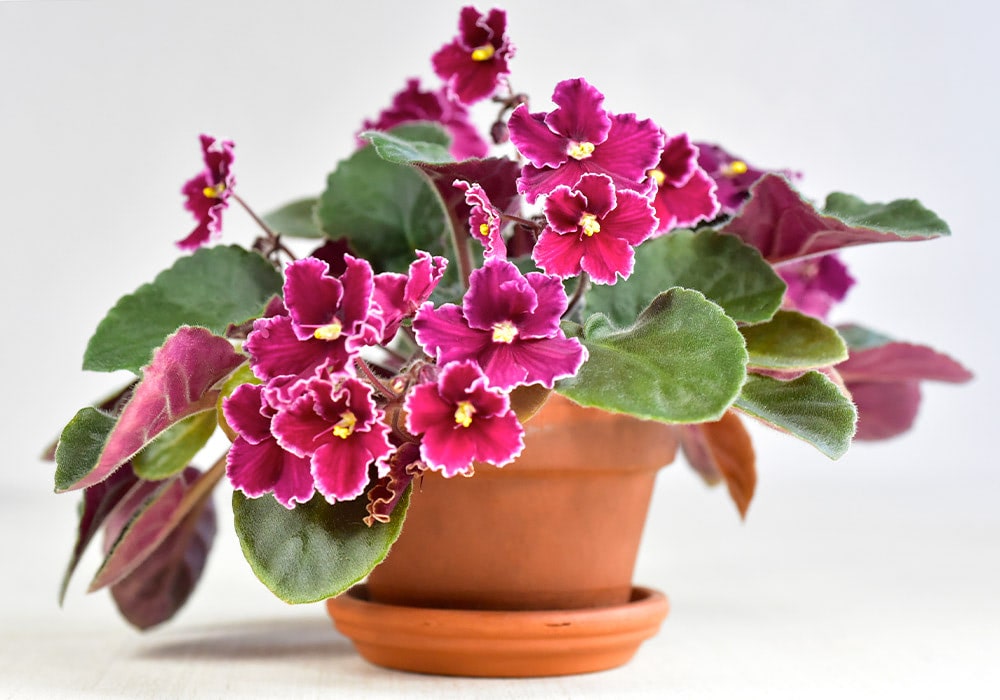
column 315, row 550
column 793, row 341
column 396, row 149
column 297, row 219
column 722, row 451
column 683, row 361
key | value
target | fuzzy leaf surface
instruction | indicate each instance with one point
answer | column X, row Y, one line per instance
column 296, row 219
column 396, row 149
column 792, row 341
column 174, row 448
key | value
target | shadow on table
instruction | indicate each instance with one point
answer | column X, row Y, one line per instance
column 254, row 639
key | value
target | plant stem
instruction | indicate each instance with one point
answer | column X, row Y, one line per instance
column 582, row 284
column 273, row 238
column 375, row 380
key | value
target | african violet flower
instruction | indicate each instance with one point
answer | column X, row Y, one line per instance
column 338, row 428
column 733, row 176
column 462, row 420
column 206, row 195
column 484, row 219
column 508, row 323
column 580, row 137
column 815, row 284
column 476, row 61
column 414, row 105
column 593, row 229
column 685, row 193
column 398, row 296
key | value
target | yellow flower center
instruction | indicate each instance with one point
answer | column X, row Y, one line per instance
column 330, row 331
column 589, row 224
column 659, row 176
column 737, row 167
column 504, row 332
column 483, row 53
column 484, row 230
column 463, row 414
column 580, row 150
column 214, row 191
column 345, row 427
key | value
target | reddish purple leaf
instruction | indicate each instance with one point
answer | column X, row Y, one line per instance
column 180, row 381
column 497, row 176
column 722, row 451
column 163, row 582
column 885, row 409
column 783, row 226
column 893, row 362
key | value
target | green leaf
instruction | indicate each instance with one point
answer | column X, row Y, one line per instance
column 315, row 550
column 297, row 219
column 385, row 210
column 792, row 341
column 80, row 445
column 173, row 449
column 212, row 288
column 861, row 338
column 904, row 217
column 722, row 267
column 395, row 149
column 683, row 361
column 811, row 408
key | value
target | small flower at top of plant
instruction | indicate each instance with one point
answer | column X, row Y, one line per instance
column 508, row 323
column 580, row 137
column 485, row 220
column 463, row 420
column 815, row 284
column 206, row 195
column 475, row 63
column 685, row 193
column 733, row 175
column 593, row 229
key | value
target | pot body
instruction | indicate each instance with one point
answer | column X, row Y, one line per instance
column 558, row 529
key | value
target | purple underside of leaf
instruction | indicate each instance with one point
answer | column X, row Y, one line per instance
column 497, row 177
column 783, row 226
column 901, row 362
column 180, row 381
column 885, row 409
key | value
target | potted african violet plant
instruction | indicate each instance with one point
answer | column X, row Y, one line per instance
column 399, row 330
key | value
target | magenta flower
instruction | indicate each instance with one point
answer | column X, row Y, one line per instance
column 256, row 464
column 815, row 284
column 206, row 195
column 399, row 296
column 733, row 175
column 338, row 428
column 463, row 420
column 415, row 105
column 475, row 63
column 593, row 229
column 508, row 323
column 580, row 137
column 685, row 193
column 485, row 220
column 329, row 320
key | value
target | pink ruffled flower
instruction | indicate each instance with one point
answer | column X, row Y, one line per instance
column 256, row 464
column 399, row 296
column 329, row 320
column 338, row 428
column 485, row 221
column 815, row 284
column 404, row 465
column 593, row 229
column 415, row 105
column 733, row 175
column 508, row 323
column 685, row 193
column 463, row 420
column 206, row 195
column 580, row 137
column 475, row 63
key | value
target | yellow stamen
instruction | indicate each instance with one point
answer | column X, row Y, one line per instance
column 483, row 53
column 580, row 150
column 504, row 332
column 214, row 191
column 659, row 176
column 345, row 427
column 484, row 230
column 463, row 414
column 330, row 331
column 737, row 167
column 589, row 224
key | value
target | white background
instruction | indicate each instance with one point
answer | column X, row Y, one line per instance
column 871, row 577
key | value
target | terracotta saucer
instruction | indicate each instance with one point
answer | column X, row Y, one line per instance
column 497, row 643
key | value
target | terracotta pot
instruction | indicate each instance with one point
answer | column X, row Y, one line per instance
column 558, row 529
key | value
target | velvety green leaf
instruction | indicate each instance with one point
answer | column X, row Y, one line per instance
column 211, row 288
column 181, row 381
column 174, row 448
column 904, row 217
column 810, row 407
column 396, row 149
column 315, row 550
column 792, row 340
column 723, row 268
column 861, row 338
column 385, row 210
column 297, row 219
column 683, row 361
column 163, row 582
column 80, row 445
